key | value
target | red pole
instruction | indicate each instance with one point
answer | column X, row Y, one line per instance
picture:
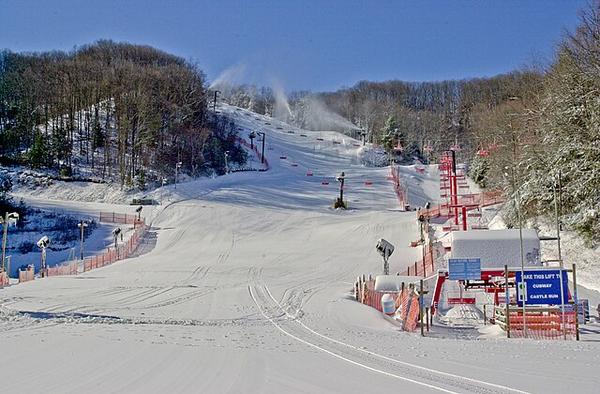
column 455, row 195
column 464, row 218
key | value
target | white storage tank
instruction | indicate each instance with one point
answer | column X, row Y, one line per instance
column 388, row 304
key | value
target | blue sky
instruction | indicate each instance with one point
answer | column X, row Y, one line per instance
column 314, row 45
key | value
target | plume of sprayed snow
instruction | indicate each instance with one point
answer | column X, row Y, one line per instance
column 318, row 117
column 228, row 78
column 281, row 109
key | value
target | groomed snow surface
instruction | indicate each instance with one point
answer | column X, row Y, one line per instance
column 248, row 289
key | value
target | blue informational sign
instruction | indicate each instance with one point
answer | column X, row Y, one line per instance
column 542, row 287
column 464, row 269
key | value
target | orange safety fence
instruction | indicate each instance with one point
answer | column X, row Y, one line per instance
column 398, row 188
column 66, row 268
column 26, row 275
column 121, row 252
column 111, row 255
column 406, row 302
column 425, row 267
column 471, row 201
column 119, row 218
column 4, row 279
column 538, row 324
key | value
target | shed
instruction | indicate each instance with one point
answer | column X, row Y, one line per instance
column 497, row 248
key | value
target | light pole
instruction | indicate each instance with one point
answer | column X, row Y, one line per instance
column 8, row 266
column 82, row 225
column 177, row 168
column 13, row 216
column 252, row 136
column 138, row 210
column 557, row 187
column 341, row 178
column 226, row 162
column 215, row 100
column 116, row 232
column 516, row 198
column 43, row 245
column 162, row 191
column 262, row 155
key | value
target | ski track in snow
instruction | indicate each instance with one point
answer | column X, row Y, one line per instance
column 274, row 312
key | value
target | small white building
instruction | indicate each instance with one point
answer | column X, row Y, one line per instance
column 497, row 248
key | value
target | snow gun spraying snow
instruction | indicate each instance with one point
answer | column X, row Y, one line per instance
column 385, row 249
column 43, row 244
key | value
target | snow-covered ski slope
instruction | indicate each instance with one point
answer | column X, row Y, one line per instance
column 247, row 289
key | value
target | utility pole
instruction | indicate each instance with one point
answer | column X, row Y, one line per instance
column 341, row 179
column 226, row 163
column 5, row 220
column 162, row 190
column 516, row 199
column 82, row 225
column 560, row 260
column 252, row 136
column 215, row 100
column 262, row 156
column 177, row 167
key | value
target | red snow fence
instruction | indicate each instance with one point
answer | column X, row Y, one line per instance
column 406, row 302
column 121, row 252
column 26, row 275
column 539, row 323
column 399, row 188
column 66, row 268
column 426, row 266
column 470, row 201
column 111, row 255
column 423, row 268
column 3, row 279
column 118, row 218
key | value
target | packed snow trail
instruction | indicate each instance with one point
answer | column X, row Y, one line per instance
column 242, row 262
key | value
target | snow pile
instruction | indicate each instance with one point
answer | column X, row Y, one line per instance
column 372, row 157
column 78, row 191
column 462, row 316
column 26, row 178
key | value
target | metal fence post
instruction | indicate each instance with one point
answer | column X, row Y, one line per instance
column 576, row 302
column 507, row 299
column 421, row 306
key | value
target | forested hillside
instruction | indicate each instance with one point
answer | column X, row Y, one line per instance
column 127, row 112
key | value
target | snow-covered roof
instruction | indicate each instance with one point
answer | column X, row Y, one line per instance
column 497, row 248
column 393, row 282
